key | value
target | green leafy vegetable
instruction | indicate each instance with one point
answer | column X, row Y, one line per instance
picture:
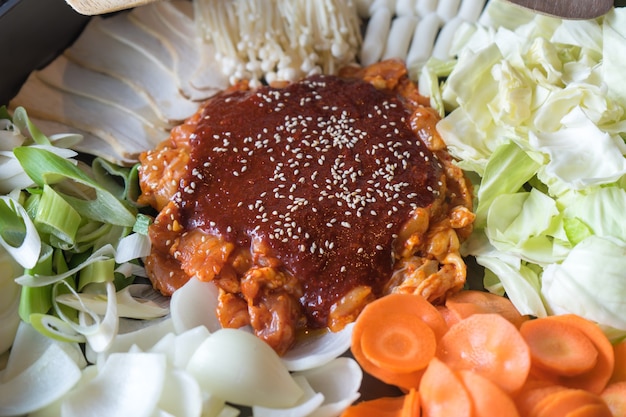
column 45, row 167
column 62, row 220
column 536, row 106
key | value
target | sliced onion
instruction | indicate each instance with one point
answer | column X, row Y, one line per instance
column 181, row 395
column 52, row 375
column 195, row 304
column 187, row 343
column 316, row 350
column 54, row 409
column 29, row 345
column 339, row 381
column 144, row 338
column 308, row 403
column 242, row 369
column 128, row 384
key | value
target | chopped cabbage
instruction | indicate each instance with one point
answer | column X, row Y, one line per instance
column 535, row 106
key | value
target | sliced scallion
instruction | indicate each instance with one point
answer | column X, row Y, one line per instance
column 96, row 272
column 28, row 128
column 45, row 167
column 39, row 280
column 18, row 234
column 56, row 217
column 37, row 299
column 55, row 328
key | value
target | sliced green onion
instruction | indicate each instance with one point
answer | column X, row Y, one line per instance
column 133, row 246
column 129, row 269
column 142, row 223
column 60, row 266
column 112, row 236
column 65, row 140
column 44, row 167
column 37, row 299
column 12, row 176
column 18, row 234
column 34, row 300
column 28, row 128
column 56, row 217
column 111, row 176
column 39, row 280
column 100, row 333
column 130, row 304
column 55, row 328
column 96, row 272
column 12, row 227
column 91, row 231
column 4, row 113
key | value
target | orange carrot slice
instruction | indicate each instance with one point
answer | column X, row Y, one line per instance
column 489, row 400
column 592, row 410
column 412, row 404
column 490, row 345
column 378, row 407
column 532, row 393
column 442, row 392
column 619, row 370
column 449, row 316
column 403, row 380
column 466, row 303
column 596, row 379
column 559, row 347
column 398, row 343
column 403, row 304
column 562, row 402
column 394, row 316
column 614, row 395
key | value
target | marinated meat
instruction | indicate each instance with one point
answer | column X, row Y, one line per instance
column 304, row 202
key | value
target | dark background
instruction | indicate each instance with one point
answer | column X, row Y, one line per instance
column 32, row 33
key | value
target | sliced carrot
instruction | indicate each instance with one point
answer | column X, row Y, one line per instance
column 378, row 407
column 398, row 342
column 403, row 380
column 448, row 315
column 619, row 370
column 596, row 379
column 490, row 345
column 592, row 410
column 614, row 395
column 442, row 392
column 562, row 402
column 412, row 305
column 412, row 404
column 395, row 316
column 532, row 393
column 559, row 347
column 489, row 400
column 466, row 303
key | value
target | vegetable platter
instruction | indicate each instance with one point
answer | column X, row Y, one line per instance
column 513, row 88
